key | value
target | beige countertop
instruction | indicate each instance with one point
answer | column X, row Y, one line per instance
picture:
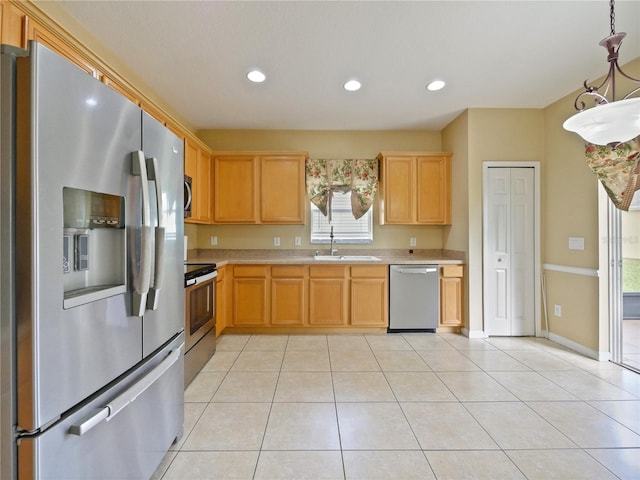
column 298, row 256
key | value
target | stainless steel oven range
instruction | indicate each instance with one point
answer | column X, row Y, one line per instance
column 200, row 317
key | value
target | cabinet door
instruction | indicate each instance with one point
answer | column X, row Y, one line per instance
column 369, row 293
column 249, row 302
column 399, row 190
column 221, row 301
column 434, row 196
column 250, row 295
column 282, row 189
column 451, row 281
column 234, row 188
column 197, row 165
column 203, row 186
column 288, row 294
column 287, row 301
column 328, row 302
column 328, row 296
column 14, row 26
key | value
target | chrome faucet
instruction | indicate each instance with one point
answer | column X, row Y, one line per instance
column 332, row 250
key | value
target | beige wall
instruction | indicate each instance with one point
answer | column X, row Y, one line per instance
column 631, row 234
column 515, row 135
column 571, row 210
column 319, row 144
column 455, row 138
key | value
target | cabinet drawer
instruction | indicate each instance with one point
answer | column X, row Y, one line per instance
column 250, row 271
column 323, row 271
column 369, row 271
column 451, row 271
column 287, row 271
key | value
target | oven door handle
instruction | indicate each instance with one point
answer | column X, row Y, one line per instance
column 142, row 277
column 153, row 174
column 120, row 402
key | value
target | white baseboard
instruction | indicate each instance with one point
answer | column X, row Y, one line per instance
column 587, row 352
column 473, row 333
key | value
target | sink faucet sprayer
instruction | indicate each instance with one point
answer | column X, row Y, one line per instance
column 332, row 251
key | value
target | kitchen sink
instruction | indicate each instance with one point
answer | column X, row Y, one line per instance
column 346, row 258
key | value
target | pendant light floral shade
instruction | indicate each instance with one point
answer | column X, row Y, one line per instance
column 360, row 177
column 618, row 168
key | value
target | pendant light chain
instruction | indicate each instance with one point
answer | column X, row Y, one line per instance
column 612, row 16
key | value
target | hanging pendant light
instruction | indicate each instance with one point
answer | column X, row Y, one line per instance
column 610, row 121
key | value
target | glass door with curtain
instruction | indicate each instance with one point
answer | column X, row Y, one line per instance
column 628, row 330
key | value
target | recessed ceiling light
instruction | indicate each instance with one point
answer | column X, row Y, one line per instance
column 352, row 85
column 435, row 85
column 256, row 76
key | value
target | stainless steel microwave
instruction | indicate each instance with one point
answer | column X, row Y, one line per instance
column 187, row 196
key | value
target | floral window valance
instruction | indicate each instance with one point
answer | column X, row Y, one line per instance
column 618, row 169
column 360, row 177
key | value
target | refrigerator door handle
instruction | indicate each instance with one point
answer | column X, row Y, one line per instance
column 153, row 174
column 119, row 403
column 142, row 277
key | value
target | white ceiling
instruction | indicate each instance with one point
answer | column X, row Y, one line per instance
column 195, row 54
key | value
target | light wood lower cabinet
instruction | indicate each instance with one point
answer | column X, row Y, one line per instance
column 250, row 295
column 307, row 296
column 369, row 296
column 451, row 288
column 221, row 300
column 288, row 295
column 328, row 296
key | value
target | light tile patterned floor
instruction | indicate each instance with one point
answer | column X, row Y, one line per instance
column 406, row 406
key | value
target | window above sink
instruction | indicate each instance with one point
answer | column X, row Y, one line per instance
column 346, row 229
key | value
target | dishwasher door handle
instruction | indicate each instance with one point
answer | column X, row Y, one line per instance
column 418, row 271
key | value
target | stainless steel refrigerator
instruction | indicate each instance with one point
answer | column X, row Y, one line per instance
column 91, row 280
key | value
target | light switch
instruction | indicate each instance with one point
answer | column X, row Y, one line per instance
column 576, row 243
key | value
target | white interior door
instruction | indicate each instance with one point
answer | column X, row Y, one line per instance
column 509, row 251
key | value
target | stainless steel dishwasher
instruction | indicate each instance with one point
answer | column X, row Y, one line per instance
column 413, row 298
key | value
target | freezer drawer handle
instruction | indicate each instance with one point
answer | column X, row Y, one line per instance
column 418, row 271
column 116, row 405
column 156, row 284
column 142, row 277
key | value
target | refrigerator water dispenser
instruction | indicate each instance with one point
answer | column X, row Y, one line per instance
column 94, row 262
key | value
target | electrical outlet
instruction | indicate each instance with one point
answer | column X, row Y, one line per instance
column 214, row 240
column 298, row 241
column 412, row 242
column 276, row 241
column 557, row 310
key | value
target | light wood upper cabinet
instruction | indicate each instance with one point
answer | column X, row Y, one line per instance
column 258, row 187
column 282, row 189
column 415, row 189
column 44, row 36
column 235, row 180
column 197, row 165
column 14, row 24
